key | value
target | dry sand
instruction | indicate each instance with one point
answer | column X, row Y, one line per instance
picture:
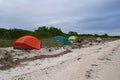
column 97, row 62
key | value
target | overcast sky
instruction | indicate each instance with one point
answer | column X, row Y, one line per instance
column 82, row 16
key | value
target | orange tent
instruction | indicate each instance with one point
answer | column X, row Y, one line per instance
column 27, row 42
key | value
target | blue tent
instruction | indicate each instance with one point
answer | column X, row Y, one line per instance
column 61, row 40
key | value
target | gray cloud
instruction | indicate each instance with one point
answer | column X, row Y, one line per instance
column 91, row 16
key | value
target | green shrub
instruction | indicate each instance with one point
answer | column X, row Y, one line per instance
column 6, row 43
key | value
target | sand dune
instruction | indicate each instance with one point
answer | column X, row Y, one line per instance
column 96, row 62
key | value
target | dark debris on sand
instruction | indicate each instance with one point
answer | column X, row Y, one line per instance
column 7, row 65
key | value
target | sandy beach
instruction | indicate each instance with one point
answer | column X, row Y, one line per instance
column 95, row 62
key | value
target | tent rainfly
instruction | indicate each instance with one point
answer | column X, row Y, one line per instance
column 73, row 39
column 27, row 43
column 61, row 40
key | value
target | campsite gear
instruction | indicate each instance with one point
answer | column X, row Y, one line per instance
column 78, row 40
column 61, row 40
column 27, row 42
column 43, row 46
column 73, row 39
column 99, row 39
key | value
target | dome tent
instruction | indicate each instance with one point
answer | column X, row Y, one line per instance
column 73, row 39
column 28, row 43
column 61, row 40
column 99, row 39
